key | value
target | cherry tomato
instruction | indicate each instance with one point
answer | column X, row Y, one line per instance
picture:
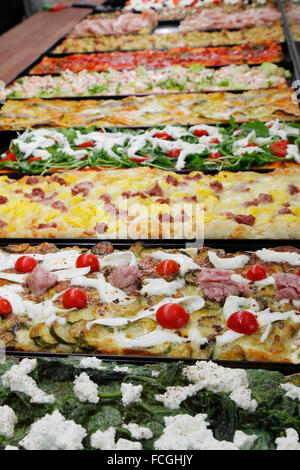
column 243, row 322
column 214, row 155
column 214, row 141
column 168, row 266
column 200, row 132
column 298, row 273
column 163, row 135
column 87, row 259
column 172, row 316
column 74, row 298
column 86, row 144
column 279, row 148
column 25, row 264
column 174, row 153
column 5, row 307
column 251, row 144
column 34, row 159
column 256, row 273
column 141, row 159
column 10, row 156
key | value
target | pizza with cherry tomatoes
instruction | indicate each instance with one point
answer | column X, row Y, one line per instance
column 200, row 303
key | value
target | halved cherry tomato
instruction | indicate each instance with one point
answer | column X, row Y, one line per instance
column 243, row 322
column 214, row 141
column 25, row 264
column 74, row 298
column 279, row 148
column 140, row 159
column 172, row 316
column 87, row 259
column 163, row 135
column 168, row 266
column 298, row 273
column 200, row 132
column 34, row 159
column 5, row 307
column 251, row 144
column 256, row 273
column 10, row 156
column 90, row 143
column 174, row 153
column 214, row 155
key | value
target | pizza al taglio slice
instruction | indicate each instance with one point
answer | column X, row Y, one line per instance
column 150, row 203
column 200, row 303
column 154, row 110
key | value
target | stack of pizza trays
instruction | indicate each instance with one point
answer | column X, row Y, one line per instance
column 149, row 213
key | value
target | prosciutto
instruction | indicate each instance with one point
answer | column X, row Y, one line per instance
column 287, row 286
column 216, row 18
column 40, row 280
column 125, row 277
column 124, row 24
column 217, row 284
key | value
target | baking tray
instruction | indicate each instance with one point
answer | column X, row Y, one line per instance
column 284, row 368
column 239, row 245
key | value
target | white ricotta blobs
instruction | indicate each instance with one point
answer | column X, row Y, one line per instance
column 8, row 419
column 215, row 378
column 292, row 391
column 85, row 389
column 18, row 380
column 105, row 440
column 288, row 442
column 174, row 396
column 138, row 432
column 54, row 432
column 92, row 363
column 185, row 432
column 11, row 448
column 131, row 393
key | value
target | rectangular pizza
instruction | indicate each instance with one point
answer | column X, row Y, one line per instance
column 130, row 42
column 199, row 303
column 143, row 203
column 154, row 58
column 204, row 147
column 154, row 110
column 141, row 81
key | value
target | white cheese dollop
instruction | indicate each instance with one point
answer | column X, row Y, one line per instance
column 8, row 419
column 236, row 262
column 270, row 256
column 85, row 389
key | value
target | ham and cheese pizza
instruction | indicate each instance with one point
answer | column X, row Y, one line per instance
column 151, row 203
column 154, row 58
column 154, row 110
column 198, row 303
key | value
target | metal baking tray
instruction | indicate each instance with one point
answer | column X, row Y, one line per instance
column 228, row 245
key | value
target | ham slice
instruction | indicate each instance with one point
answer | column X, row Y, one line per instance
column 217, row 284
column 124, row 24
column 40, row 280
column 215, row 18
column 287, row 286
column 125, row 277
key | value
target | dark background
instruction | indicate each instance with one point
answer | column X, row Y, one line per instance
column 12, row 13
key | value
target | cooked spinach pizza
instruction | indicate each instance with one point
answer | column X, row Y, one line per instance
column 89, row 404
column 200, row 303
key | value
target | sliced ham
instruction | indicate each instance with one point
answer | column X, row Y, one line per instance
column 287, row 286
column 101, row 227
column 217, row 284
column 82, row 188
column 216, row 18
column 155, row 190
column 125, row 277
column 123, row 24
column 40, row 280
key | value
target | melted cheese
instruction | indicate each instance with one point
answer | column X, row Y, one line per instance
column 227, row 263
